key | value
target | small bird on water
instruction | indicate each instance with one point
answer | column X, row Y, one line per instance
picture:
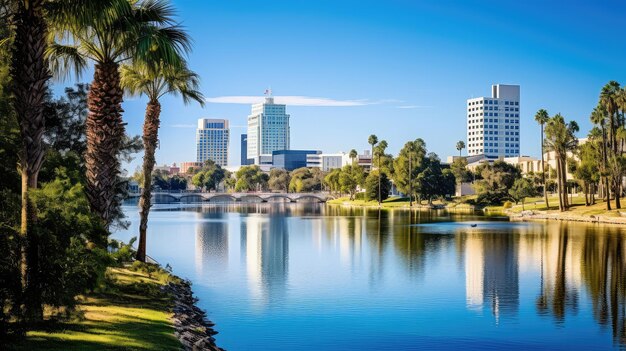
column 473, row 225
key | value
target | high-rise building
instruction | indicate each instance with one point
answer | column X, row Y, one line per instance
column 244, row 150
column 268, row 129
column 493, row 124
column 212, row 139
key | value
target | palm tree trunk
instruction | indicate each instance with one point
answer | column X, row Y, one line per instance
column 543, row 172
column 29, row 70
column 564, row 176
column 605, row 164
column 150, row 138
column 105, row 131
column 560, row 182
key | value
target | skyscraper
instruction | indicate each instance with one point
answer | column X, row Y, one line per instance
column 268, row 129
column 212, row 139
column 244, row 149
column 493, row 124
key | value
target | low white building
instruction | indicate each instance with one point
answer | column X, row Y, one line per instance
column 327, row 162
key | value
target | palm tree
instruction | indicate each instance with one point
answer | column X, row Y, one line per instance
column 30, row 75
column 372, row 140
column 609, row 96
column 30, row 78
column 561, row 138
column 353, row 155
column 542, row 118
column 155, row 82
column 142, row 31
column 380, row 151
column 460, row 145
column 598, row 118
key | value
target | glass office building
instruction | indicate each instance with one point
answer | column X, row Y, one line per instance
column 212, row 137
column 268, row 129
column 291, row 159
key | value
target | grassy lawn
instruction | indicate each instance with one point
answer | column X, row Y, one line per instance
column 577, row 204
column 130, row 314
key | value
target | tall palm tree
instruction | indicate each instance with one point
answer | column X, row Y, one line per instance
column 460, row 145
column 353, row 155
column 542, row 118
column 609, row 96
column 142, row 31
column 155, row 82
column 561, row 138
column 598, row 117
column 30, row 79
column 380, row 151
column 372, row 140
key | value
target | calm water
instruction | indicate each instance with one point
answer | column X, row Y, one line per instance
column 311, row 277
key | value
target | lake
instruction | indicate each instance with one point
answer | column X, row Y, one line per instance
column 282, row 276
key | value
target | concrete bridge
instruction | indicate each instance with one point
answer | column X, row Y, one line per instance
column 161, row 197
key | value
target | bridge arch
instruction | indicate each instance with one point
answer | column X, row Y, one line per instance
column 191, row 198
column 308, row 198
column 222, row 197
column 279, row 196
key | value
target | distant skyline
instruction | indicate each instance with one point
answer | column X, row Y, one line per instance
column 398, row 69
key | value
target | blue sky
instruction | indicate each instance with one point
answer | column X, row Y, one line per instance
column 404, row 68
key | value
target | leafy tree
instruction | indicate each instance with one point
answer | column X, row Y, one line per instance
column 431, row 180
column 407, row 166
column 209, row 176
column 306, row 180
column 494, row 181
column 279, row 180
column 521, row 189
column 350, row 177
column 460, row 171
column 250, row 178
column 377, row 187
column 332, row 180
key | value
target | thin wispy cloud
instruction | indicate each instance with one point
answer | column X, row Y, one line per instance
column 183, row 125
column 412, row 106
column 292, row 100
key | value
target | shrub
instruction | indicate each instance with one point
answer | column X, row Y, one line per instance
column 508, row 204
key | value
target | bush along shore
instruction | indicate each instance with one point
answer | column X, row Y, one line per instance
column 138, row 306
column 193, row 329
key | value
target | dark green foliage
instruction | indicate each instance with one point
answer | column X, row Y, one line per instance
column 122, row 253
column 495, row 181
column 71, row 241
column 250, row 178
column 371, row 186
column 209, row 176
column 306, row 180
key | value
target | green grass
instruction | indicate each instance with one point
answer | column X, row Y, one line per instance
column 130, row 314
column 392, row 202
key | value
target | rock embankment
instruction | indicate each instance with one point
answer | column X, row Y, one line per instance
column 191, row 326
column 565, row 216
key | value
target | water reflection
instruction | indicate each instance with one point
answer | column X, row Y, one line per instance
column 211, row 242
column 265, row 249
column 346, row 265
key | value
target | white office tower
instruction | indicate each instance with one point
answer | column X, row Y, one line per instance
column 493, row 124
column 212, row 138
column 268, row 129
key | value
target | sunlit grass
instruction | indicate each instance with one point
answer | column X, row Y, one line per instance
column 130, row 314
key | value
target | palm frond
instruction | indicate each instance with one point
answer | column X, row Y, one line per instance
column 65, row 59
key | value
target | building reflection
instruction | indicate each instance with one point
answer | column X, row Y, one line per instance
column 265, row 249
column 492, row 273
column 211, row 243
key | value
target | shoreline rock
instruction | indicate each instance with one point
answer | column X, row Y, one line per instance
column 537, row 215
column 192, row 328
